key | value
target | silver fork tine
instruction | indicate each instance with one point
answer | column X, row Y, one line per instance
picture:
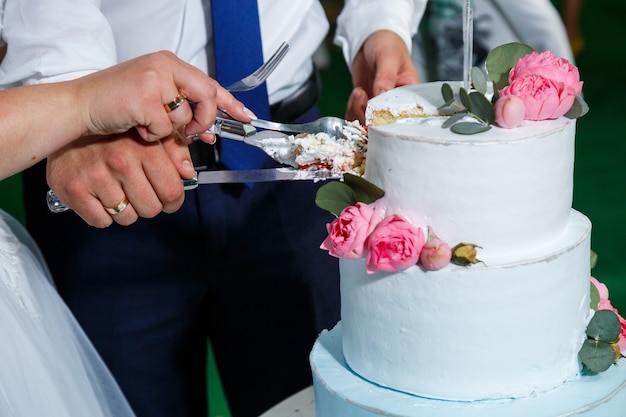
column 265, row 70
column 331, row 125
column 260, row 75
column 273, row 61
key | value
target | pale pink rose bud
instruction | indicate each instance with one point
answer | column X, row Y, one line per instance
column 435, row 255
column 394, row 245
column 509, row 111
column 348, row 233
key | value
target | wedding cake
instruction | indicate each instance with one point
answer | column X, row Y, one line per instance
column 498, row 330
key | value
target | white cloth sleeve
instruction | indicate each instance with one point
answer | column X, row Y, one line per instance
column 360, row 18
column 53, row 40
column 536, row 23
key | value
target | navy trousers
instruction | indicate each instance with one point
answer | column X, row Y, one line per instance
column 241, row 266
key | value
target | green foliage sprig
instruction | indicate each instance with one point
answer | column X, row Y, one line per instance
column 475, row 104
column 600, row 350
column 337, row 195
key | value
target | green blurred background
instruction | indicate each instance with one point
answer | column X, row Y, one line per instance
column 600, row 171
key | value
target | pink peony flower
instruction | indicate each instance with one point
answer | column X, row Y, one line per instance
column 435, row 255
column 605, row 304
column 546, row 65
column 543, row 98
column 509, row 111
column 394, row 244
column 348, row 233
column 546, row 84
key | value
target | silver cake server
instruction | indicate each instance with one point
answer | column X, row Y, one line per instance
column 260, row 175
column 226, row 176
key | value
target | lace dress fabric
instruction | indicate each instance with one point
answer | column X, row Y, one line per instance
column 48, row 367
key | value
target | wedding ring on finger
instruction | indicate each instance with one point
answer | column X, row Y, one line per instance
column 120, row 207
column 176, row 103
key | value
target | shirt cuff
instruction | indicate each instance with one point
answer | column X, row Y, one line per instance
column 359, row 19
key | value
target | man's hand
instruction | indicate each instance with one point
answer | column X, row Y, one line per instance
column 97, row 172
column 382, row 63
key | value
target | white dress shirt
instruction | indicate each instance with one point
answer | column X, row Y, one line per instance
column 180, row 26
column 53, row 40
column 360, row 18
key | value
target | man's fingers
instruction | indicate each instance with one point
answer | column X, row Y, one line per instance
column 357, row 102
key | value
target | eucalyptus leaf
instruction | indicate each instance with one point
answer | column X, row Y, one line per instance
column 495, row 97
column 594, row 259
column 465, row 100
column 364, row 190
column 335, row 196
column 501, row 59
column 594, row 297
column 579, row 109
column 469, row 128
column 597, row 356
column 482, row 107
column 453, row 119
column 479, row 80
column 447, row 93
column 604, row 326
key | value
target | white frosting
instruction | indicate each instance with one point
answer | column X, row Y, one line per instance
column 506, row 190
column 467, row 333
column 419, row 100
column 339, row 392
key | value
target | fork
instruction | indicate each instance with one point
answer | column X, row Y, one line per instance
column 334, row 126
column 257, row 78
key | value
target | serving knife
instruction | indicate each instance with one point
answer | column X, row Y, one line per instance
column 259, row 175
column 226, row 176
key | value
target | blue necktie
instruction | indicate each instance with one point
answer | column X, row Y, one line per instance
column 238, row 52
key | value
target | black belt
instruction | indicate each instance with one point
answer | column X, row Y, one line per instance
column 287, row 110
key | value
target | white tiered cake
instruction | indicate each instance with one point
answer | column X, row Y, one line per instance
column 500, row 337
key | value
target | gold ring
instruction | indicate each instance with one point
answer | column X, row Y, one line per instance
column 176, row 103
column 120, row 207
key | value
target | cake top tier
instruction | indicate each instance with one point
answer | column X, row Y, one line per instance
column 508, row 191
column 415, row 110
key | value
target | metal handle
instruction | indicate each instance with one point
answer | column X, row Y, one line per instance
column 231, row 129
column 56, row 206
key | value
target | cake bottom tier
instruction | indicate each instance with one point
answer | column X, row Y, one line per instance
column 341, row 393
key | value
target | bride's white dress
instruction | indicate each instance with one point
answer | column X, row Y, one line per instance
column 48, row 367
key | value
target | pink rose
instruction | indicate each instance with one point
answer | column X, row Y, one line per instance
column 348, row 233
column 395, row 244
column 435, row 255
column 509, row 111
column 605, row 304
column 543, row 98
column 546, row 84
column 546, row 65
